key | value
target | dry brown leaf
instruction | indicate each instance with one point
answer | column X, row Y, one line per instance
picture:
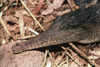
column 95, row 52
column 37, row 9
column 11, row 18
column 56, row 4
column 48, row 19
column 21, row 23
column 63, row 12
column 23, row 12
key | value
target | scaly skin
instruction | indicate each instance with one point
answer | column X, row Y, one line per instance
column 79, row 26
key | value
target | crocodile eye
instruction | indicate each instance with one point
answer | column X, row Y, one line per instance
column 17, row 44
column 66, row 27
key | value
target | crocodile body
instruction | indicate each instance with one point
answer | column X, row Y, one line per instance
column 79, row 26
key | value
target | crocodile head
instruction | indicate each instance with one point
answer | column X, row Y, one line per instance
column 78, row 26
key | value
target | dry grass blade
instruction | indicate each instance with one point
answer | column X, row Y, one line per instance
column 91, row 3
column 67, row 61
column 2, row 22
column 32, row 15
column 82, row 54
column 45, row 60
column 48, row 2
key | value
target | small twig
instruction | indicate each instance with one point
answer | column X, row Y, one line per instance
column 32, row 15
column 70, row 4
column 62, row 63
column 3, row 24
column 33, row 31
column 52, row 59
column 82, row 54
column 63, row 54
column 70, row 56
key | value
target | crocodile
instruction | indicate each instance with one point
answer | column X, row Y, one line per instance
column 81, row 25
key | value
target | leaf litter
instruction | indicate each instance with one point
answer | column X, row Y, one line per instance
column 18, row 22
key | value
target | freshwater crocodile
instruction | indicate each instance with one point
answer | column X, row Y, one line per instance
column 82, row 25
